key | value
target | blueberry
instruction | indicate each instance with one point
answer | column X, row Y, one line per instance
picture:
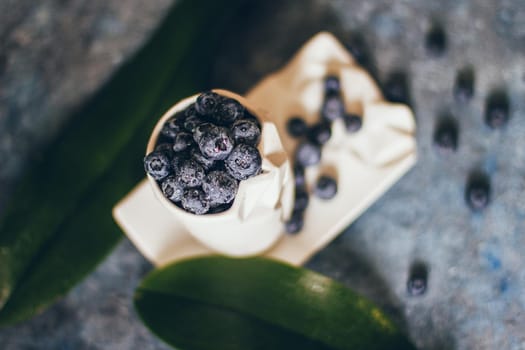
column 157, row 165
column 244, row 161
column 246, row 131
column 182, row 141
column 477, row 192
column 301, row 199
column 295, row 223
column 228, row 111
column 446, row 135
column 464, row 85
column 353, row 122
column 172, row 188
column 179, row 157
column 396, row 88
column 333, row 108
column 207, row 103
column 215, row 143
column 206, row 163
column 190, row 173
column 307, row 154
column 171, row 127
column 417, row 279
column 436, row 41
column 195, row 201
column 497, row 109
column 166, row 148
column 325, row 187
column 332, row 85
column 298, row 171
column 201, row 130
column 220, row 187
column 192, row 121
column 320, row 133
column 296, row 127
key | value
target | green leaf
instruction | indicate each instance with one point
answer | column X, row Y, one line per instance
column 256, row 303
column 58, row 224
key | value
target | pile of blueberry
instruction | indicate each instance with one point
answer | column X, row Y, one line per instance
column 308, row 151
column 204, row 151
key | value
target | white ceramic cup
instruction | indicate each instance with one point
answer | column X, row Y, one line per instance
column 255, row 221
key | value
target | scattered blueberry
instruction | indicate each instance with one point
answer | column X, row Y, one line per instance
column 228, row 111
column 296, row 127
column 243, row 162
column 246, row 131
column 298, row 171
column 417, row 280
column 333, row 108
column 220, row 187
column 436, row 41
column 171, row 127
column 308, row 154
column 446, row 135
column 216, row 143
column 182, row 141
column 332, row 85
column 301, row 199
column 396, row 88
column 320, row 133
column 157, row 165
column 325, row 187
column 172, row 188
column 207, row 103
column 464, row 85
column 497, row 109
column 295, row 223
column 190, row 173
column 353, row 123
column 477, row 192
column 195, row 201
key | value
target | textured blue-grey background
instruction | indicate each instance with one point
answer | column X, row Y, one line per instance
column 53, row 54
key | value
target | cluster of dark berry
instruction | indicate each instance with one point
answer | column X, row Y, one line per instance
column 204, row 151
column 308, row 151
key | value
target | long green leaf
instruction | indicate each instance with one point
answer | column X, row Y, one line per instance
column 48, row 245
column 256, row 303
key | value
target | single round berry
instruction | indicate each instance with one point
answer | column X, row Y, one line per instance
column 333, row 108
column 207, row 103
column 246, row 131
column 157, row 165
column 228, row 111
column 195, row 201
column 216, row 143
column 206, row 163
column 166, row 148
column 172, row 188
column 396, row 88
column 320, row 133
column 298, row 172
column 201, row 130
column 417, row 280
column 477, row 192
column 332, row 85
column 171, row 127
column 220, row 187
column 436, row 41
column 295, row 223
column 243, row 162
column 325, row 187
column 464, row 85
column 192, row 121
column 497, row 110
column 190, row 173
column 446, row 136
column 353, row 123
column 301, row 199
column 296, row 127
column 182, row 141
column 308, row 154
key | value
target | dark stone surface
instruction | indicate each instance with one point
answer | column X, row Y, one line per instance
column 475, row 296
